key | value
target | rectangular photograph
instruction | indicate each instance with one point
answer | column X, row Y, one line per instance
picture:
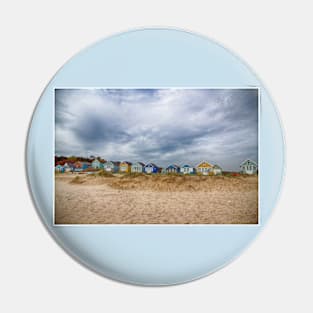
column 156, row 156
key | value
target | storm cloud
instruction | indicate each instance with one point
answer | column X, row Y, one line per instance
column 158, row 125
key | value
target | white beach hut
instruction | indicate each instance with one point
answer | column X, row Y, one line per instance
column 248, row 167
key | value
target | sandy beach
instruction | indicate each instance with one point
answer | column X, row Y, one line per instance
column 89, row 199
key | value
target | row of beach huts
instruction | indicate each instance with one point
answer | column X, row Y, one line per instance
column 203, row 168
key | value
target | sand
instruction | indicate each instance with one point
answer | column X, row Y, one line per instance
column 89, row 199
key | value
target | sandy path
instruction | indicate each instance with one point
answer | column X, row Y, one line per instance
column 101, row 204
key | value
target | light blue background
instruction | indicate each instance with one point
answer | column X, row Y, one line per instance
column 153, row 255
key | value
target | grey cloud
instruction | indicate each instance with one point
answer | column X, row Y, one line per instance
column 159, row 125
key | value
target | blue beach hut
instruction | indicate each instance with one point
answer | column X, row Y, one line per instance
column 151, row 168
column 173, row 168
column 187, row 169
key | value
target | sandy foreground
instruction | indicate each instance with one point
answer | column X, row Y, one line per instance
column 89, row 199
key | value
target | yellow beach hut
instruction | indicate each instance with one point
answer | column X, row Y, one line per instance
column 125, row 167
column 204, row 168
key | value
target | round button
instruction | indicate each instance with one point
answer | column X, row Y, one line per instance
column 155, row 156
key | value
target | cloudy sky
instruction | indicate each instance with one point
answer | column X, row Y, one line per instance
column 163, row 126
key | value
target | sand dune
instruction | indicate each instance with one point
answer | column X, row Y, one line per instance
column 144, row 199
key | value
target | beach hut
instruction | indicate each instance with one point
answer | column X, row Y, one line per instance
column 112, row 166
column 85, row 165
column 67, row 167
column 249, row 167
column 151, row 168
column 77, row 166
column 71, row 166
column 80, row 166
column 137, row 167
column 59, row 168
column 204, row 168
column 97, row 163
column 187, row 169
column 217, row 170
column 125, row 167
column 172, row 168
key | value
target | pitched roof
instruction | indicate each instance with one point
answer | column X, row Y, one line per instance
column 173, row 165
column 204, row 162
column 126, row 162
column 248, row 160
column 151, row 164
column 142, row 164
column 116, row 163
